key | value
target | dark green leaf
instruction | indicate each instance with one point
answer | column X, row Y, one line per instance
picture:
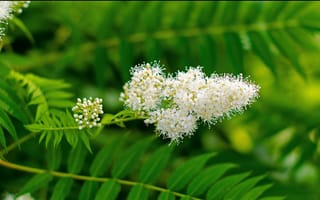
column 287, row 49
column 54, row 157
column 255, row 192
column 85, row 139
column 23, row 28
column 62, row 189
column 166, row 196
column 126, row 59
column 76, row 159
column 220, row 188
column 150, row 171
column 103, row 159
column 2, row 138
column 206, row 178
column 35, row 183
column 109, row 190
column 7, row 124
column 88, row 190
column 183, row 174
column 235, row 51
column 242, row 188
column 261, row 48
column 138, row 192
column 127, row 161
column 72, row 138
column 273, row 198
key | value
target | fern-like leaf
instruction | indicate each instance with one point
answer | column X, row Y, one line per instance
column 194, row 179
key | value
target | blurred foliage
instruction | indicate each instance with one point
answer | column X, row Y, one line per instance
column 93, row 45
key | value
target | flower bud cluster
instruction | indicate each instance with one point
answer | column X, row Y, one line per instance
column 87, row 111
column 176, row 103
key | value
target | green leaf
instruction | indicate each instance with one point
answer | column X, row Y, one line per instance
column 2, row 138
column 126, row 162
column 239, row 190
column 220, row 188
column 54, row 157
column 287, row 49
column 62, row 189
column 23, row 28
column 272, row 198
column 85, row 140
column 261, row 48
column 138, row 192
column 103, row 159
column 7, row 124
column 12, row 108
column 183, row 174
column 88, row 190
column 303, row 38
column 72, row 138
column 153, row 49
column 155, row 164
column 206, row 178
column 166, row 196
column 272, row 10
column 126, row 58
column 207, row 52
column 235, row 51
column 36, row 182
column 76, row 159
column 109, row 190
column 255, row 192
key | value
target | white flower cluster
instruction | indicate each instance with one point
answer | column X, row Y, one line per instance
column 26, row 196
column 86, row 112
column 176, row 103
column 7, row 8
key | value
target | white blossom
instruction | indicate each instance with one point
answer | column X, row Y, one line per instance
column 176, row 103
column 173, row 123
column 26, row 196
column 7, row 8
column 144, row 91
column 86, row 112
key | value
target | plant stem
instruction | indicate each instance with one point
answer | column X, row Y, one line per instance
column 87, row 178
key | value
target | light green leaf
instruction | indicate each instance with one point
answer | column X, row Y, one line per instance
column 183, row 174
column 109, row 190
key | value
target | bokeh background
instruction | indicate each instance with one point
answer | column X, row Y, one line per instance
column 93, row 45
